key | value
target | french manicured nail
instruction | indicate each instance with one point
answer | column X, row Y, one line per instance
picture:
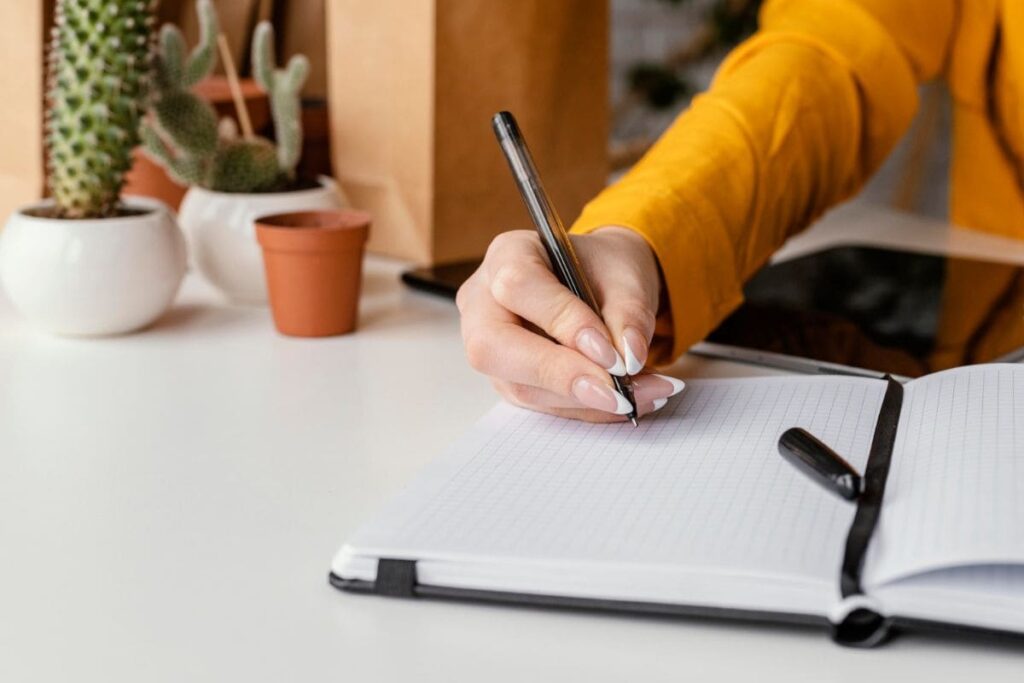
column 597, row 348
column 595, row 394
column 652, row 407
column 634, row 347
column 653, row 387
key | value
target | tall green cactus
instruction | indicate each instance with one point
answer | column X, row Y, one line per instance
column 183, row 134
column 99, row 71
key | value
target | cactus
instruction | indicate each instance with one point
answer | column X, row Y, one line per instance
column 282, row 87
column 183, row 134
column 180, row 132
column 245, row 166
column 98, row 73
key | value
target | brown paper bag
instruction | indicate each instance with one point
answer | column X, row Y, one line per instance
column 22, row 166
column 412, row 87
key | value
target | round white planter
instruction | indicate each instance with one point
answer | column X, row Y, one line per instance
column 220, row 227
column 92, row 277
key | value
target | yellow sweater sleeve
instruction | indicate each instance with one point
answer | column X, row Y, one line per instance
column 796, row 120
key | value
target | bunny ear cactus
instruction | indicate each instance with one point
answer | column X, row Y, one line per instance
column 98, row 74
column 189, row 121
column 283, row 87
column 182, row 132
column 183, row 135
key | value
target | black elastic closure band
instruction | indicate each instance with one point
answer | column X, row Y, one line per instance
column 863, row 626
column 396, row 578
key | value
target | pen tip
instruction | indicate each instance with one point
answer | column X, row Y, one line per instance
column 633, row 420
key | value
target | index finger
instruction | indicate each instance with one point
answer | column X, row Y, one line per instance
column 521, row 281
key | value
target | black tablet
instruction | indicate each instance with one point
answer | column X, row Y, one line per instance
column 877, row 310
column 443, row 280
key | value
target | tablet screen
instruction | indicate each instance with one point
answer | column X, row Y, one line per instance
column 889, row 311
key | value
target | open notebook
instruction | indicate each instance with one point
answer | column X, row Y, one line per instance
column 695, row 512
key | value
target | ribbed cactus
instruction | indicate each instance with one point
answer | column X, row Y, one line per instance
column 183, row 135
column 99, row 70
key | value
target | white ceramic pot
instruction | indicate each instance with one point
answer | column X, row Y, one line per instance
column 220, row 227
column 92, row 277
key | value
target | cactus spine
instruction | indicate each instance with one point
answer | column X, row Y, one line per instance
column 183, row 134
column 98, row 74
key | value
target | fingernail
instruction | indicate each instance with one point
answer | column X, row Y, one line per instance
column 634, row 346
column 593, row 393
column 653, row 406
column 597, row 348
column 677, row 384
column 652, row 387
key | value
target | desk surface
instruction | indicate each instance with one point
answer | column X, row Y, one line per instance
column 170, row 502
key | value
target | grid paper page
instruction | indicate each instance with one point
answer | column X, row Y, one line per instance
column 699, row 484
column 990, row 596
column 1003, row 584
column 955, row 493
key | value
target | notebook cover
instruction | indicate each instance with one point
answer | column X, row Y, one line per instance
column 624, row 607
column 592, row 604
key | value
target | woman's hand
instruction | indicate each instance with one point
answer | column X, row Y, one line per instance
column 546, row 350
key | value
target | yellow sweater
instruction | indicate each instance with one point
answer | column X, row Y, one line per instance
column 798, row 118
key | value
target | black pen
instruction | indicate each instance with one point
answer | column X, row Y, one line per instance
column 820, row 463
column 550, row 228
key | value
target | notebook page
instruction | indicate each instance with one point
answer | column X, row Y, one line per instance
column 989, row 596
column 955, row 493
column 698, row 485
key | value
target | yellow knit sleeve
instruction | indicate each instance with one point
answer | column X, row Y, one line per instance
column 796, row 120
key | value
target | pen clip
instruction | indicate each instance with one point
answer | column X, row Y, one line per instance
column 820, row 463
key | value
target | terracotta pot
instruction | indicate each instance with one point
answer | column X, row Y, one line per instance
column 146, row 178
column 313, row 262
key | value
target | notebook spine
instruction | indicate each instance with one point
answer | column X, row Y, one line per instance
column 395, row 578
column 858, row 620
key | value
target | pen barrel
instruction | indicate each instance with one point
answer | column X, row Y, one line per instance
column 820, row 463
column 553, row 235
column 564, row 262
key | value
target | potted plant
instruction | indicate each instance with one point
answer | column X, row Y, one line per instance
column 85, row 262
column 232, row 178
column 149, row 178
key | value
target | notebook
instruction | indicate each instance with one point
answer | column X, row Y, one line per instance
column 695, row 512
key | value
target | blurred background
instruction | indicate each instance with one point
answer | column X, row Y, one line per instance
column 665, row 51
column 411, row 85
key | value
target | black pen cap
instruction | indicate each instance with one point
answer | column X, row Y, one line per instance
column 820, row 463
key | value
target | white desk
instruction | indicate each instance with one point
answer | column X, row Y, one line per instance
column 170, row 501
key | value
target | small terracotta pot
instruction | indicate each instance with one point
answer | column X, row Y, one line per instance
column 148, row 179
column 313, row 262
